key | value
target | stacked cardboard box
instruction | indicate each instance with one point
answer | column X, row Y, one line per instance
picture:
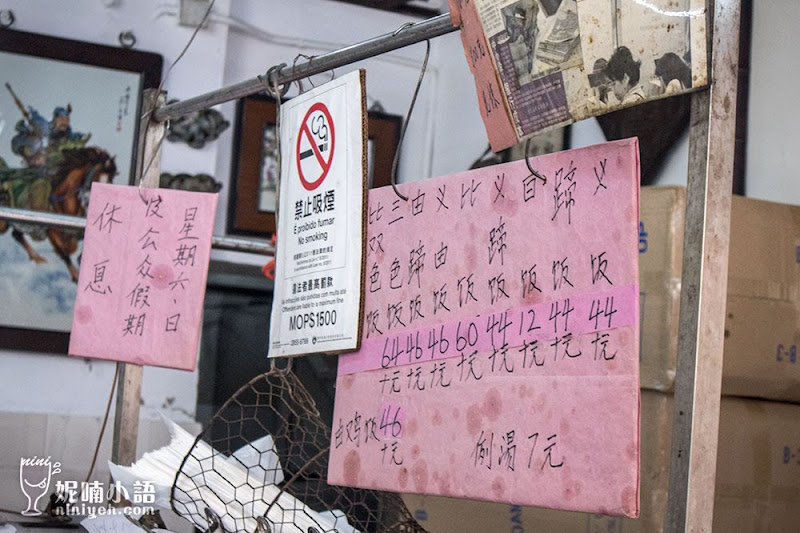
column 762, row 327
column 758, row 462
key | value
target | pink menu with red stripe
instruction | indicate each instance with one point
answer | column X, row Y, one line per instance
column 500, row 346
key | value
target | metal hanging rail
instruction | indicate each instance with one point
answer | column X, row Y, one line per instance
column 405, row 36
column 65, row 221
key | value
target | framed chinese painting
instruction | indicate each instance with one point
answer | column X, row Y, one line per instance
column 69, row 117
column 254, row 174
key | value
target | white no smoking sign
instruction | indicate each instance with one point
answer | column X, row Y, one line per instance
column 319, row 273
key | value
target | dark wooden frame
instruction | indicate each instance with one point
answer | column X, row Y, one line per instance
column 148, row 65
column 253, row 113
column 97, row 55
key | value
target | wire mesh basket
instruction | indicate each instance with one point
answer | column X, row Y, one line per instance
column 261, row 466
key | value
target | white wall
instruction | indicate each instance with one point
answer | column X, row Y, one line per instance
column 773, row 137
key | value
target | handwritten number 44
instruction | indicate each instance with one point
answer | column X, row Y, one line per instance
column 602, row 311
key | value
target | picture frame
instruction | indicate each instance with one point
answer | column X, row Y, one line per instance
column 65, row 106
column 253, row 195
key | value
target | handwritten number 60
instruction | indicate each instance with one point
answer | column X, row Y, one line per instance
column 471, row 337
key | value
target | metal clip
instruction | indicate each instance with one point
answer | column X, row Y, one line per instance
column 310, row 60
column 214, row 523
column 7, row 18
column 127, row 39
column 262, row 525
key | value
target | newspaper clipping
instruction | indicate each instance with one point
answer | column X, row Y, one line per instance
column 559, row 61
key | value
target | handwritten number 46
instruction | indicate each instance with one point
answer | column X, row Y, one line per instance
column 390, row 423
column 441, row 341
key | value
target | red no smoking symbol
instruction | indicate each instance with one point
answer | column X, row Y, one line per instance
column 315, row 146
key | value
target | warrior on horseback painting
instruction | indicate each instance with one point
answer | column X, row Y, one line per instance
column 58, row 174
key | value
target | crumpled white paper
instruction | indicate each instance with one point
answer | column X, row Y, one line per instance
column 251, row 474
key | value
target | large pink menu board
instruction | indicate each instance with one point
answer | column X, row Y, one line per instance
column 500, row 348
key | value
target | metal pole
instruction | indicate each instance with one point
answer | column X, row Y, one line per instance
column 412, row 34
column 28, row 216
column 698, row 381
column 242, row 245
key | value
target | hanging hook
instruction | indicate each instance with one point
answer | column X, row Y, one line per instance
column 300, row 81
column 401, row 28
column 270, row 80
column 310, row 59
column 274, row 367
column 273, row 75
column 410, row 110
column 528, row 163
column 142, row 195
column 127, row 39
column 7, row 18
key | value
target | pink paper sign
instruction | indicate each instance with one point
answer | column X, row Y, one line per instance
column 500, row 350
column 491, row 101
column 143, row 276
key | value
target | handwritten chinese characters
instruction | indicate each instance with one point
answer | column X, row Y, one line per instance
column 499, row 355
column 143, row 276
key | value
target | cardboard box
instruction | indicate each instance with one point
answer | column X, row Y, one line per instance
column 662, row 211
column 758, row 480
column 762, row 329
